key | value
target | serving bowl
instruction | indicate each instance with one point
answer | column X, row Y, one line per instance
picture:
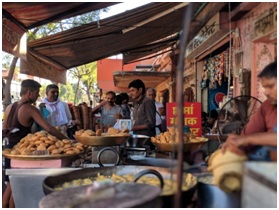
column 137, row 140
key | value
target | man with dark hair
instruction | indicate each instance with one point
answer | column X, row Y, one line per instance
column 59, row 112
column 262, row 126
column 151, row 93
column 109, row 111
column 21, row 115
column 144, row 110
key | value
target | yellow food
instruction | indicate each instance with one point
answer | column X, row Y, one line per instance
column 98, row 132
column 170, row 186
column 44, row 141
column 171, row 136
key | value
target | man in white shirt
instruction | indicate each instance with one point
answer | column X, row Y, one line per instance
column 151, row 93
column 59, row 112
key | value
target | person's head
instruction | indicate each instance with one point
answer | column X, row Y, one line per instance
column 151, row 93
column 268, row 78
column 52, row 92
column 204, row 117
column 31, row 89
column 126, row 97
column 118, row 100
column 110, row 97
column 212, row 117
column 137, row 89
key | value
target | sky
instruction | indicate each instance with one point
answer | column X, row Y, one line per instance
column 119, row 8
column 122, row 7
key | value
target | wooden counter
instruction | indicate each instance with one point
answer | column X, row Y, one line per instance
column 259, row 187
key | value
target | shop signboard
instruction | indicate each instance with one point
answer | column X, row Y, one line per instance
column 192, row 116
column 13, row 39
column 204, row 34
column 36, row 67
column 265, row 27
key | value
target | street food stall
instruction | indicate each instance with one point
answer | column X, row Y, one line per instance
column 37, row 181
column 28, row 172
column 35, row 177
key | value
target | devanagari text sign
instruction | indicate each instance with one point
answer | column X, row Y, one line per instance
column 192, row 116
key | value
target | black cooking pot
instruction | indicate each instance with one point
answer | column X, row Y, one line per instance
column 107, row 195
column 149, row 161
column 51, row 182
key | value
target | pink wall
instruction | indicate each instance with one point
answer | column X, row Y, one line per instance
column 256, row 55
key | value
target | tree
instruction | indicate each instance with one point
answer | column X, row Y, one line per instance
column 87, row 76
column 43, row 91
column 66, row 92
column 7, row 89
column 45, row 30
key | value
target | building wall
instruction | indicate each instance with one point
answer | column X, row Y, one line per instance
column 105, row 69
column 256, row 54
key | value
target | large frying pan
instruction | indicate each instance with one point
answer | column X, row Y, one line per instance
column 131, row 195
column 51, row 181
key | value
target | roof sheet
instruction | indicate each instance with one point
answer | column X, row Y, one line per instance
column 29, row 15
column 111, row 36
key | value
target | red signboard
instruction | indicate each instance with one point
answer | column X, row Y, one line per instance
column 192, row 116
column 13, row 41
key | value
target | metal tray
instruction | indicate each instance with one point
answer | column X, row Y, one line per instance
column 38, row 157
column 168, row 147
column 103, row 140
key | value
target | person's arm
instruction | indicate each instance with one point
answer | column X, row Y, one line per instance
column 96, row 108
column 256, row 123
column 37, row 116
column 7, row 112
column 68, row 112
column 264, row 139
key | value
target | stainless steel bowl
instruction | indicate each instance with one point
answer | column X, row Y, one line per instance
column 137, row 140
column 211, row 196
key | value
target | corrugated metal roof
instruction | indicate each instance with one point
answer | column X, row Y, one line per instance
column 150, row 50
column 107, row 37
column 29, row 15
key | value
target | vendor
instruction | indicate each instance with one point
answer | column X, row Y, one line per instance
column 259, row 136
column 21, row 115
column 144, row 111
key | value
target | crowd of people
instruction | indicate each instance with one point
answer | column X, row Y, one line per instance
column 147, row 114
column 258, row 139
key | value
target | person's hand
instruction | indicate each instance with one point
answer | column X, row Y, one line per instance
column 233, row 143
column 117, row 116
column 75, row 122
column 103, row 102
